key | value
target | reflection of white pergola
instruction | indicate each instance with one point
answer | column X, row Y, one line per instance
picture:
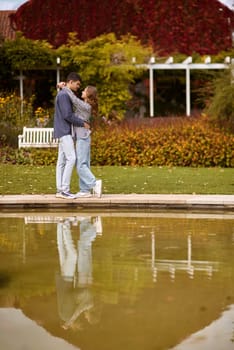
column 186, row 65
column 188, row 264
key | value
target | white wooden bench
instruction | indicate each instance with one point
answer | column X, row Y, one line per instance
column 37, row 138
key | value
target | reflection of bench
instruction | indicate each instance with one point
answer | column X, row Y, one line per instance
column 37, row 137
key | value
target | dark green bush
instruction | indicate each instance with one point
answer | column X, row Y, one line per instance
column 220, row 107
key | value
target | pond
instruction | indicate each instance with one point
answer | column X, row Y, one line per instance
column 116, row 280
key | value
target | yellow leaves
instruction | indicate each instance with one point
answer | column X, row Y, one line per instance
column 187, row 145
column 39, row 112
column 11, row 108
column 42, row 117
column 143, row 144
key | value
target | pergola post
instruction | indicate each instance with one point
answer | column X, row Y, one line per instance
column 151, row 86
column 186, row 65
column 58, row 61
column 188, row 93
column 188, row 88
column 21, row 83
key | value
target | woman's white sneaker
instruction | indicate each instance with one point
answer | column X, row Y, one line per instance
column 97, row 190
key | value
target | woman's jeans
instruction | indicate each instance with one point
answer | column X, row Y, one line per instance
column 86, row 178
column 65, row 163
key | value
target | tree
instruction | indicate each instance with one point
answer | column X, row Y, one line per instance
column 24, row 54
column 106, row 62
column 221, row 105
column 33, row 56
column 184, row 26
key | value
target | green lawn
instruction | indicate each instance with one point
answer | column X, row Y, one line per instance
column 23, row 179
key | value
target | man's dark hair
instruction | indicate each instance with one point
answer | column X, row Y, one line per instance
column 73, row 76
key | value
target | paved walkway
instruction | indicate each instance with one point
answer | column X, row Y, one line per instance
column 120, row 201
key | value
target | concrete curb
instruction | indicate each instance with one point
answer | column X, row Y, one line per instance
column 120, row 201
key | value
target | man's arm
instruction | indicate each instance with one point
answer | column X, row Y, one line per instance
column 67, row 112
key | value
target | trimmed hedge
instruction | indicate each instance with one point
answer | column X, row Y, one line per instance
column 193, row 144
column 157, row 142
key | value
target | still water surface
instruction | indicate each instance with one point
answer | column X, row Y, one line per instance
column 116, row 280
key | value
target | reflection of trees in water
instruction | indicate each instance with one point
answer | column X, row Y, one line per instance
column 122, row 258
column 170, row 231
column 120, row 299
column 15, row 235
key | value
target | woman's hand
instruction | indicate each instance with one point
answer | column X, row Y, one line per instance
column 61, row 84
column 86, row 125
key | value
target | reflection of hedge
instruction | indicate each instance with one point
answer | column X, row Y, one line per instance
column 183, row 143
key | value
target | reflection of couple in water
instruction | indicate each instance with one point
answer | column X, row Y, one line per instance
column 74, row 285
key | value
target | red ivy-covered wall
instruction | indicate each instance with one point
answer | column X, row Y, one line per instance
column 184, row 26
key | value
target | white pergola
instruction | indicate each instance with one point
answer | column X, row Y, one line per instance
column 187, row 65
column 21, row 78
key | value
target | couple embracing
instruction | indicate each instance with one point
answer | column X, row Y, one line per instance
column 72, row 123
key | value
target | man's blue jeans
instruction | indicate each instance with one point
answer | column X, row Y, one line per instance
column 65, row 163
column 86, row 178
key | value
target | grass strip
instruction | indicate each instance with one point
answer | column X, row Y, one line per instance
column 21, row 179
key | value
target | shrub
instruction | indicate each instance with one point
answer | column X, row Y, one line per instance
column 184, row 142
column 221, row 105
column 181, row 142
column 28, row 156
column 15, row 112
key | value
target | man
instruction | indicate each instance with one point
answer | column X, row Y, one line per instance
column 64, row 118
column 74, row 283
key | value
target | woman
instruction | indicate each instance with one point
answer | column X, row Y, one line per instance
column 84, row 109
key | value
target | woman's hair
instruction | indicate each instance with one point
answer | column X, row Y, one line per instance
column 92, row 99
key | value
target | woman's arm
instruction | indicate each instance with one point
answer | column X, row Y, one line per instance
column 65, row 107
column 82, row 108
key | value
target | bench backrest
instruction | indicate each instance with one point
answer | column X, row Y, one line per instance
column 37, row 137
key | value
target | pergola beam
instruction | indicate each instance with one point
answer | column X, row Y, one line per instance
column 186, row 65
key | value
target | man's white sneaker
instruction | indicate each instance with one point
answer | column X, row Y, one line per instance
column 97, row 190
column 83, row 195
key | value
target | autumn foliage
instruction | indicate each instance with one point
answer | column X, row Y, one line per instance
column 157, row 142
column 179, row 142
column 184, row 26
